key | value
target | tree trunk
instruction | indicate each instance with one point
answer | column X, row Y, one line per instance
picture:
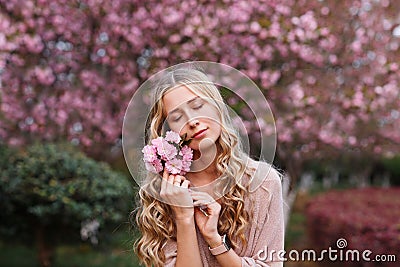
column 45, row 251
column 288, row 197
column 293, row 171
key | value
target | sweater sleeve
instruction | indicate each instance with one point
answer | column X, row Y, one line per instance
column 170, row 252
column 269, row 235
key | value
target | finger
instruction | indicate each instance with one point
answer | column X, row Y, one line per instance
column 198, row 203
column 195, row 197
column 201, row 202
column 169, row 183
column 183, row 178
column 205, row 201
column 203, row 197
column 171, row 179
column 165, row 174
column 185, row 184
column 178, row 179
column 164, row 182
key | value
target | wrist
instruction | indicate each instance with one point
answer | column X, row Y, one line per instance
column 224, row 247
column 184, row 220
column 214, row 240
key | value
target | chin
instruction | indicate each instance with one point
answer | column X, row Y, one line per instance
column 205, row 143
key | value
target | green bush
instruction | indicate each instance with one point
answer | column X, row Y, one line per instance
column 50, row 190
column 392, row 166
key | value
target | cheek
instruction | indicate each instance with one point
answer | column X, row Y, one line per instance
column 215, row 120
column 218, row 129
column 215, row 126
column 213, row 115
column 176, row 128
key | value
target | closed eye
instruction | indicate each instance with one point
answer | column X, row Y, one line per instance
column 198, row 106
column 177, row 119
column 195, row 106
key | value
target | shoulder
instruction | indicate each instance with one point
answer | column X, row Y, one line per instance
column 264, row 177
column 265, row 191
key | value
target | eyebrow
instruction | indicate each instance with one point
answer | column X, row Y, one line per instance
column 188, row 102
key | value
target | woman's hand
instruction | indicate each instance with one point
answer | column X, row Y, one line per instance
column 175, row 192
column 208, row 225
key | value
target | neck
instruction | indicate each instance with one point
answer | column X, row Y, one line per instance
column 207, row 166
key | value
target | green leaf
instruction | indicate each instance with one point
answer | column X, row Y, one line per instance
column 184, row 142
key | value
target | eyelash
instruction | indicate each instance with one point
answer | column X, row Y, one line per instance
column 177, row 119
column 196, row 107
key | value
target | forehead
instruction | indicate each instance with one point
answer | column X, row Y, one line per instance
column 176, row 97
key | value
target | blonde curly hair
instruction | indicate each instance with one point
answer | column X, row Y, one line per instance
column 154, row 217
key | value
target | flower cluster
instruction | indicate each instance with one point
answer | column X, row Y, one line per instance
column 170, row 152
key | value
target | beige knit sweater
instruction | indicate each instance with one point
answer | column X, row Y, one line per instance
column 264, row 233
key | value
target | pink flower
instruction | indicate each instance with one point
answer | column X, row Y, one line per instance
column 164, row 149
column 186, row 165
column 154, row 166
column 150, row 153
column 44, row 75
column 173, row 137
column 174, row 166
column 186, row 153
column 157, row 141
column 167, row 151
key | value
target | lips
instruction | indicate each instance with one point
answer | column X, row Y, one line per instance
column 199, row 132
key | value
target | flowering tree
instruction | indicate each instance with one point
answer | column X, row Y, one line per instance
column 329, row 69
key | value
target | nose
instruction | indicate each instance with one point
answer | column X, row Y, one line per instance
column 194, row 122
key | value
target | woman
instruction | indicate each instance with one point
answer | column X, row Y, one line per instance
column 215, row 215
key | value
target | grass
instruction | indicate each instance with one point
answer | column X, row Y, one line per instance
column 17, row 256
column 296, row 229
column 117, row 254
